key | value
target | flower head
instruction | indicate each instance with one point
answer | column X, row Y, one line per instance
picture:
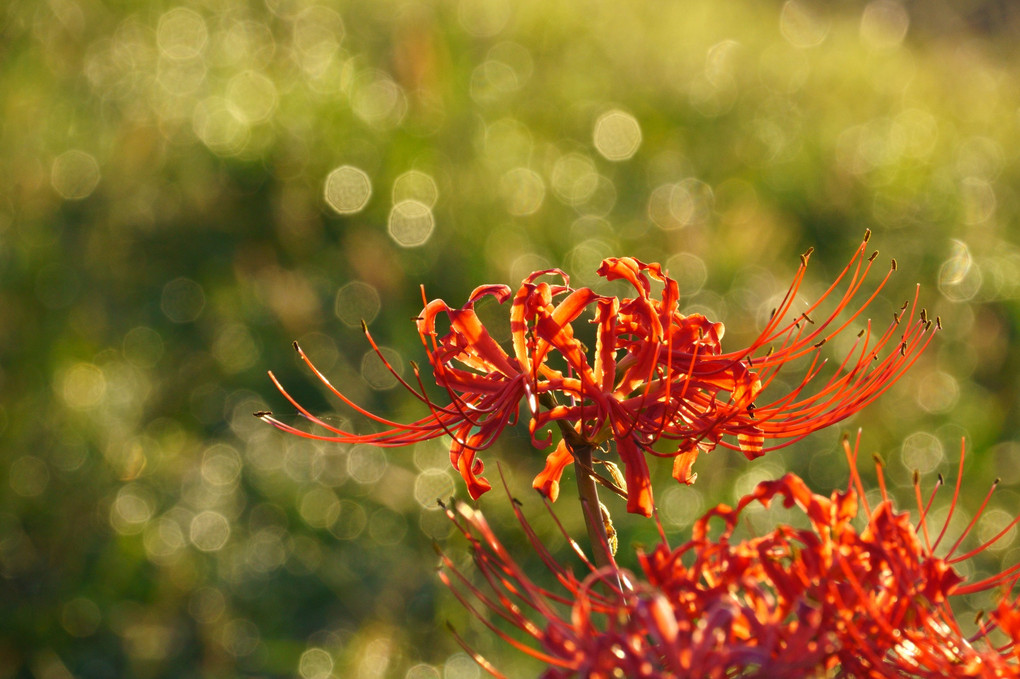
column 657, row 383
column 831, row 597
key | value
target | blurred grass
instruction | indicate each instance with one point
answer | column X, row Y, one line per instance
column 165, row 235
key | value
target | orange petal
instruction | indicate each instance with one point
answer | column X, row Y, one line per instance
column 682, row 464
column 635, row 473
column 469, row 469
column 751, row 443
column 548, row 480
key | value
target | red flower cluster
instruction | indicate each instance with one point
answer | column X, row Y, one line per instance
column 826, row 600
column 657, row 383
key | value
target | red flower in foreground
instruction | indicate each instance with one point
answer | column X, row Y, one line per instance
column 828, row 599
column 657, row 383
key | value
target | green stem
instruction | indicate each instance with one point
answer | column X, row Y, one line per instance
column 588, row 493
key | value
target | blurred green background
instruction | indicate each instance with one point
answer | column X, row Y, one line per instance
column 189, row 186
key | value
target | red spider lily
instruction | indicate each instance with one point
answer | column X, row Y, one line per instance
column 830, row 599
column 658, row 382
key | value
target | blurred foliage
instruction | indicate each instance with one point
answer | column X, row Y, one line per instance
column 191, row 186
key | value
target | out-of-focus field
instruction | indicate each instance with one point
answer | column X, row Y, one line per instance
column 186, row 188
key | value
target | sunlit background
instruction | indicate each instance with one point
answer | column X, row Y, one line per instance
column 187, row 187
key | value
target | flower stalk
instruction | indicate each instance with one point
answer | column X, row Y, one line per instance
column 588, row 493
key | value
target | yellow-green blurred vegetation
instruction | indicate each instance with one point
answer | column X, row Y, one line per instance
column 188, row 186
